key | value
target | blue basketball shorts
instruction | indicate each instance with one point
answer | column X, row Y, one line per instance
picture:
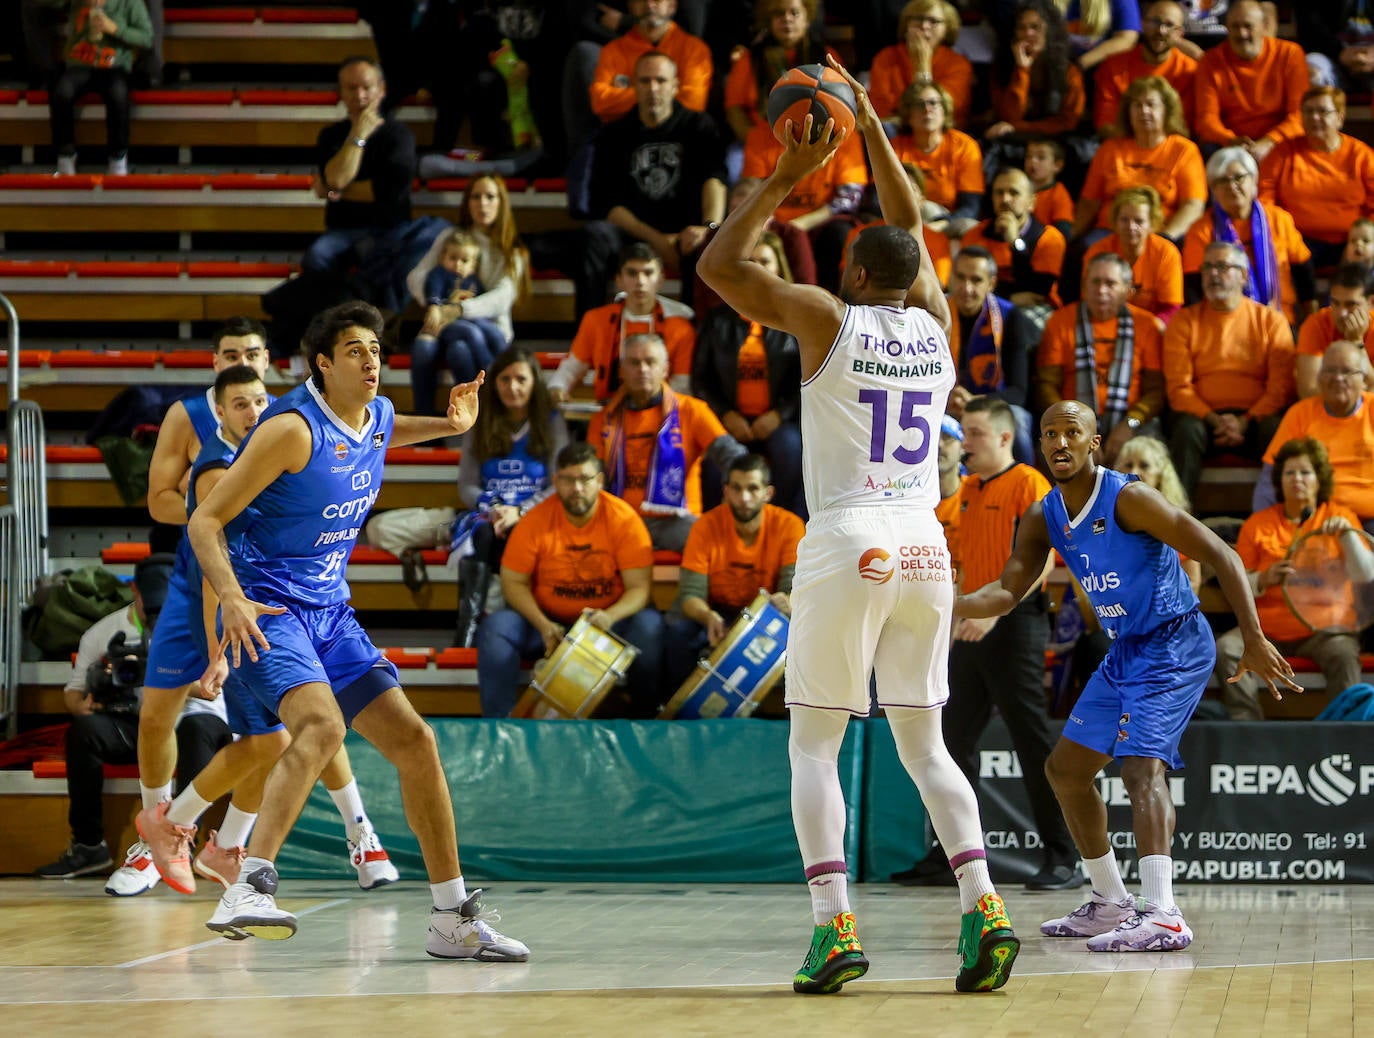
column 1142, row 696
column 177, row 655
column 246, row 715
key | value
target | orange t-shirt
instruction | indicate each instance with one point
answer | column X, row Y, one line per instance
column 1048, row 257
column 603, row 329
column 572, row 568
column 1058, row 348
column 1053, row 205
column 1325, row 192
column 700, row 429
column 735, row 571
column 1289, row 248
column 1173, row 168
column 1349, row 446
column 742, row 88
column 752, row 395
column 1264, row 540
column 1319, row 331
column 814, row 190
column 1242, row 360
column 936, row 244
column 1158, row 272
column 613, row 87
column 891, row 73
column 955, row 165
column 987, row 525
column 947, row 511
column 1260, row 98
column 1009, row 103
column 1118, row 72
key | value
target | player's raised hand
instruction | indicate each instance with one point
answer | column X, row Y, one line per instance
column 865, row 115
column 801, row 155
column 239, row 622
column 462, row 403
column 1263, row 660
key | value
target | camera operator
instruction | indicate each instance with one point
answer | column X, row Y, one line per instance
column 103, row 695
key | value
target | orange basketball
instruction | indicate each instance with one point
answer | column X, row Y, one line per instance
column 813, row 90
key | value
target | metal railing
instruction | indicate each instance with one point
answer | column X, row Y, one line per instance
column 11, row 603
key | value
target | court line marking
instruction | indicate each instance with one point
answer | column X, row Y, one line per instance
column 213, row 941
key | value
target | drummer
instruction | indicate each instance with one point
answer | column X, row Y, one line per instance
column 742, row 546
column 581, row 550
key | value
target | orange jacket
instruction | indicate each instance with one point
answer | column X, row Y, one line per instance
column 613, row 84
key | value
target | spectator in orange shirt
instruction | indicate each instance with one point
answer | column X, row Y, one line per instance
column 637, row 308
column 1156, row 266
column 1248, row 90
column 1341, row 416
column 1303, row 476
column 582, row 550
column 612, row 91
column 950, row 467
column 950, row 161
column 1106, row 354
column 1325, row 178
column 741, row 547
column 1029, row 255
column 1035, row 90
column 1053, row 204
column 1156, row 54
column 1346, row 319
column 1281, row 271
column 924, row 52
column 652, row 441
column 787, row 35
column 1149, row 146
column 1228, row 364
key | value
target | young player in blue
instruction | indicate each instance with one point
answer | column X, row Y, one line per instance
column 1122, row 540
column 305, row 478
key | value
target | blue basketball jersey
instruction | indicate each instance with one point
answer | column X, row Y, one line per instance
column 216, row 452
column 294, row 541
column 200, row 408
column 1134, row 581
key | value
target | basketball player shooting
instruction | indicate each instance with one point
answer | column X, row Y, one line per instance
column 873, row 591
column 1121, row 540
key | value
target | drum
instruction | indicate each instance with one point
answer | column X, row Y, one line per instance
column 1331, row 585
column 741, row 670
column 572, row 682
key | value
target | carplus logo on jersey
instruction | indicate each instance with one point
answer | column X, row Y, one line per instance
column 875, row 566
column 1331, row 781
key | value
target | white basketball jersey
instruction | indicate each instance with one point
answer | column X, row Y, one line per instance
column 870, row 417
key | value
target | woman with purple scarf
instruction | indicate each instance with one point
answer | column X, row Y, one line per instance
column 1281, row 270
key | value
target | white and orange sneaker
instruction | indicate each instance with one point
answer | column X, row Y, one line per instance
column 221, row 864
column 136, row 876
column 170, row 846
column 368, row 856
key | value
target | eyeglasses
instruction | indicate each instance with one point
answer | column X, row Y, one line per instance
column 1219, row 267
column 1234, row 180
column 928, row 102
column 1342, row 373
column 1321, row 113
column 577, row 481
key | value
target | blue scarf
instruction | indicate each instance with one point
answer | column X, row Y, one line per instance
column 1262, row 284
column 665, row 491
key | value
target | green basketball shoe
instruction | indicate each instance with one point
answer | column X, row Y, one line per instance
column 835, row 958
column 987, row 945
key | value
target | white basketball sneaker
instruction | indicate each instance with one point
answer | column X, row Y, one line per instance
column 136, row 876
column 465, row 933
column 249, row 909
column 1098, row 916
column 1149, row 929
column 368, row 856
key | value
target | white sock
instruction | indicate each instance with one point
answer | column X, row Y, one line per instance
column 236, row 827
column 449, row 894
column 350, row 804
column 1105, row 875
column 154, row 795
column 974, row 882
column 187, row 808
column 1157, row 879
column 829, row 895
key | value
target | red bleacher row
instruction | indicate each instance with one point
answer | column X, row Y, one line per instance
column 233, row 182
column 278, row 15
column 189, row 358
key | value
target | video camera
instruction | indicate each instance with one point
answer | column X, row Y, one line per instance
column 114, row 681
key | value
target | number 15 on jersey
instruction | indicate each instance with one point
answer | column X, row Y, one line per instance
column 908, row 417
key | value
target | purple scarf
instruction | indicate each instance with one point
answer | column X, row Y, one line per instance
column 665, row 491
column 1262, row 283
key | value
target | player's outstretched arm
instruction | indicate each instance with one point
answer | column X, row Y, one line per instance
column 1142, row 509
column 279, row 445
column 807, row 312
column 897, row 199
column 462, row 413
column 1027, row 566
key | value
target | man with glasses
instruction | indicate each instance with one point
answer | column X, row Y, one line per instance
column 1157, row 54
column 1228, row 364
column 1249, row 89
column 1346, row 318
column 1341, row 416
column 581, row 551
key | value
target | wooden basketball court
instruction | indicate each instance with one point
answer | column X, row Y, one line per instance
column 649, row 960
